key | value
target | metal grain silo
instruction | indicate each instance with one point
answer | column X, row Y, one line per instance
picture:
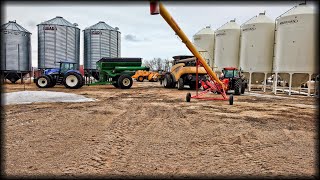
column 227, row 42
column 58, row 40
column 15, row 51
column 204, row 42
column 295, row 43
column 256, row 48
column 100, row 40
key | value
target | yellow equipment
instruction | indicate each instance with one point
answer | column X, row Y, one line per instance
column 149, row 75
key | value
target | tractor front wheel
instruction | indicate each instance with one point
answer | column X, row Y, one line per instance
column 125, row 81
column 43, row 81
column 180, row 84
column 237, row 87
column 167, row 81
column 72, row 80
column 140, row 79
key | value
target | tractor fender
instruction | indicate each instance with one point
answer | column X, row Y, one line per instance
column 74, row 71
column 51, row 71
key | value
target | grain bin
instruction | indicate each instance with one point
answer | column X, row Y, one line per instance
column 204, row 42
column 15, row 51
column 256, row 48
column 100, row 40
column 295, row 43
column 227, row 42
column 58, row 40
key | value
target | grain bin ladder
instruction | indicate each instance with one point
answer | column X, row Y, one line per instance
column 216, row 85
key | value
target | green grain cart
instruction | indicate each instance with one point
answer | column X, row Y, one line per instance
column 118, row 71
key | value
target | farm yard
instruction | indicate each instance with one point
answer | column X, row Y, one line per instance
column 149, row 130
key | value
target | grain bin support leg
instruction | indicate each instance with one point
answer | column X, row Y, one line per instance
column 250, row 80
column 265, row 82
column 309, row 90
column 275, row 81
column 290, row 83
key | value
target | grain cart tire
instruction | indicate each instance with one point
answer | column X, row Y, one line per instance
column 180, row 84
column 188, row 97
column 43, row 81
column 231, row 99
column 116, row 85
column 167, row 81
column 237, row 87
column 72, row 80
column 140, row 79
column 125, row 81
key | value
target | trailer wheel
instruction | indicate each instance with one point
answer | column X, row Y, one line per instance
column 188, row 97
column 140, row 79
column 231, row 99
column 43, row 81
column 180, row 84
column 72, row 80
column 167, row 81
column 125, row 81
column 237, row 87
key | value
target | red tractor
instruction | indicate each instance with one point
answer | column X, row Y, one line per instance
column 235, row 80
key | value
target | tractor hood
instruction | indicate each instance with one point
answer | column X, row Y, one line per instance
column 50, row 71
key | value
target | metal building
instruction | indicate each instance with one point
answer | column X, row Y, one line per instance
column 204, row 42
column 256, row 49
column 100, row 40
column 294, row 50
column 227, row 43
column 15, row 51
column 58, row 40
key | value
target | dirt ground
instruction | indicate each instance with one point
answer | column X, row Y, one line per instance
column 151, row 131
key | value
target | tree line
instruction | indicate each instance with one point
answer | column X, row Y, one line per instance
column 157, row 64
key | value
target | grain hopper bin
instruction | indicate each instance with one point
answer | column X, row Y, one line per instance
column 227, row 42
column 256, row 48
column 204, row 41
column 295, row 43
column 58, row 40
column 100, row 40
column 15, row 51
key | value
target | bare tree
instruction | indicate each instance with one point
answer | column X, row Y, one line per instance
column 158, row 64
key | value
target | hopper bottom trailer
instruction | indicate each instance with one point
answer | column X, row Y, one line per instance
column 118, row 71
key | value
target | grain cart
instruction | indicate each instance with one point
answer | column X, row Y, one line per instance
column 66, row 74
column 118, row 71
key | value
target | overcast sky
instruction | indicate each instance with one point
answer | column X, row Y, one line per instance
column 142, row 35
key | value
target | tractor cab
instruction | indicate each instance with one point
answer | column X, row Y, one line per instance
column 230, row 72
column 66, row 66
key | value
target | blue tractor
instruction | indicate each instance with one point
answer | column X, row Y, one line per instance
column 67, row 75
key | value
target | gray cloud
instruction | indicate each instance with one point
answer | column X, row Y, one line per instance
column 131, row 37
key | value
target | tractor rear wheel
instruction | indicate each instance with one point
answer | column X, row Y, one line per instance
column 53, row 81
column 237, row 87
column 167, row 81
column 140, row 79
column 180, row 84
column 72, row 80
column 125, row 81
column 43, row 81
column 243, row 88
column 188, row 97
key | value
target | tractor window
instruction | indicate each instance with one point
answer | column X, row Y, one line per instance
column 228, row 73
column 64, row 67
column 236, row 73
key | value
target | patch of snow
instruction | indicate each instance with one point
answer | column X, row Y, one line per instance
column 27, row 97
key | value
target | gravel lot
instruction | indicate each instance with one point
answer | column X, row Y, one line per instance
column 151, row 131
